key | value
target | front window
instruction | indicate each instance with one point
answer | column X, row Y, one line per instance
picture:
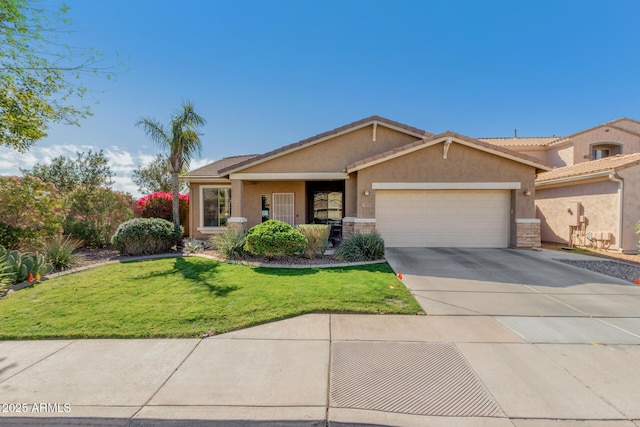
column 216, row 206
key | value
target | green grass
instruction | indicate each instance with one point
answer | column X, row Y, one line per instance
column 185, row 297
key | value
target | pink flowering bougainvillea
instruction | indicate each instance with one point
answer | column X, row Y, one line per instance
column 159, row 205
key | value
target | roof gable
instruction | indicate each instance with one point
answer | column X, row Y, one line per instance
column 447, row 138
column 373, row 120
column 586, row 169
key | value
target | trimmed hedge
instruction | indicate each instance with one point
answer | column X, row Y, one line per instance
column 146, row 236
column 274, row 238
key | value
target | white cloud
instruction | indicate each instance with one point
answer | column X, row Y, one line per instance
column 198, row 163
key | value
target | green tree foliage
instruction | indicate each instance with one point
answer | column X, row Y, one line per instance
column 181, row 141
column 90, row 169
column 95, row 214
column 93, row 210
column 155, row 177
column 39, row 73
column 31, row 210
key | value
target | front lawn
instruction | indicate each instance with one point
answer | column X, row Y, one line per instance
column 186, row 297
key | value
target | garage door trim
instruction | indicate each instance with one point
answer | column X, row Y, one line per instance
column 446, row 185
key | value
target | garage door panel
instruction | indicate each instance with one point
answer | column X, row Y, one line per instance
column 452, row 218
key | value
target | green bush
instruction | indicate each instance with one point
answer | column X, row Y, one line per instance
column 274, row 238
column 59, row 252
column 95, row 213
column 230, row 244
column 361, row 247
column 11, row 236
column 317, row 238
column 146, row 236
column 30, row 211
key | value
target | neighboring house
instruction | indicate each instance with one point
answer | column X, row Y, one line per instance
column 415, row 188
column 593, row 195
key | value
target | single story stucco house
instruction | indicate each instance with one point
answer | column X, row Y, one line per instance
column 415, row 188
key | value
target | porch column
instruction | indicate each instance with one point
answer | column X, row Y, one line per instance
column 236, row 197
column 237, row 221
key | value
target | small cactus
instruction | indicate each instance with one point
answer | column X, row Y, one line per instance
column 20, row 266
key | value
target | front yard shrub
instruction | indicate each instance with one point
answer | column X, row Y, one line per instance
column 230, row 244
column 30, row 211
column 361, row 247
column 160, row 205
column 59, row 252
column 274, row 238
column 317, row 238
column 192, row 246
column 146, row 236
column 95, row 213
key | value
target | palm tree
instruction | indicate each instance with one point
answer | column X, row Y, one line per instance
column 180, row 141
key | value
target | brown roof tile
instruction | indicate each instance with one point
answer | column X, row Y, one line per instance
column 594, row 166
column 521, row 142
column 311, row 140
column 212, row 169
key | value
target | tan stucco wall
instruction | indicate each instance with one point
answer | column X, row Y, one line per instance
column 335, row 154
column 463, row 164
column 628, row 125
column 631, row 208
column 599, row 202
column 560, row 156
column 582, row 143
column 252, row 198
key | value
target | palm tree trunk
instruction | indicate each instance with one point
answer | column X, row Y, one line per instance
column 175, row 188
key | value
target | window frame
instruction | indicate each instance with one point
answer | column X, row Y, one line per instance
column 210, row 229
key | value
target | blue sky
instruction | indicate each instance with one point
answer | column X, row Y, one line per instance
column 269, row 73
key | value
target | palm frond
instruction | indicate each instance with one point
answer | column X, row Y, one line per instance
column 155, row 131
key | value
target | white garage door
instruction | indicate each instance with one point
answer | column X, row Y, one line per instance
column 446, row 218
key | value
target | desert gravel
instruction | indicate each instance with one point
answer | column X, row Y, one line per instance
column 621, row 270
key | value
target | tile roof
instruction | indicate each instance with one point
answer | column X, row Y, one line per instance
column 611, row 163
column 521, row 142
column 313, row 139
column 426, row 140
column 212, row 169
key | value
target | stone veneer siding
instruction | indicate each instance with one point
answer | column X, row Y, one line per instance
column 357, row 225
column 237, row 224
column 528, row 234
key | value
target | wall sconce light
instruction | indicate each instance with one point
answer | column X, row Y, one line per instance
column 527, row 192
column 366, row 192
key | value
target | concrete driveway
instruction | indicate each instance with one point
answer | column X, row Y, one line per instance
column 541, row 299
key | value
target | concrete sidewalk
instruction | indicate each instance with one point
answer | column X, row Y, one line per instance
column 327, row 369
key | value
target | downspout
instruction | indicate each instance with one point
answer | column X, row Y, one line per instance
column 612, row 177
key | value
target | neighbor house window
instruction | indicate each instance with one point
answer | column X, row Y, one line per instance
column 600, row 153
column 216, row 206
